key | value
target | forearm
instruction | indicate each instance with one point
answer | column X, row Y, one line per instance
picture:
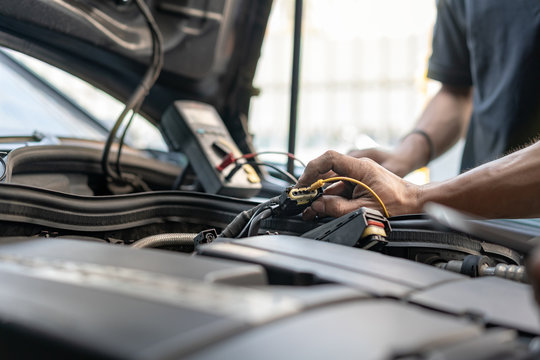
column 508, row 187
column 445, row 120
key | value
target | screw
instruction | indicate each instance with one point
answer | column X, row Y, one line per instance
column 209, row 238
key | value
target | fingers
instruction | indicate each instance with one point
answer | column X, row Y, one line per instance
column 330, row 161
column 337, row 197
column 315, row 169
column 340, row 188
column 392, row 193
column 342, row 198
column 335, row 206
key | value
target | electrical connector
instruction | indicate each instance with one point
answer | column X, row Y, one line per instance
column 363, row 228
column 317, row 184
column 303, row 195
column 294, row 200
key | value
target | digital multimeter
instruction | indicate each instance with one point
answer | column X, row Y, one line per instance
column 196, row 129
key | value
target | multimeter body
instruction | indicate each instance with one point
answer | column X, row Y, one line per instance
column 196, row 129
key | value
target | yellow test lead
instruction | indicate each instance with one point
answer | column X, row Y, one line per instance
column 319, row 183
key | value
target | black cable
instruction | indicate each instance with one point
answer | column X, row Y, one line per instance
column 256, row 221
column 157, row 63
column 142, row 89
column 245, row 229
column 237, row 167
column 260, row 209
column 126, row 128
column 289, row 155
column 287, row 174
column 122, row 139
column 235, row 226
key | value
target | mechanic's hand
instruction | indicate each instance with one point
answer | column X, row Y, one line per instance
column 398, row 195
column 395, row 162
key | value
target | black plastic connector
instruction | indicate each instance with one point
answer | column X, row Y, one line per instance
column 295, row 200
column 204, row 237
column 472, row 264
column 364, row 228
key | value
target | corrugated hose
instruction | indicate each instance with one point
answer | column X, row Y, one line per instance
column 160, row 240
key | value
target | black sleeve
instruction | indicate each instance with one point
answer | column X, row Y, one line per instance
column 450, row 61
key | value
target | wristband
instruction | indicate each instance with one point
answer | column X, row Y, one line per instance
column 429, row 142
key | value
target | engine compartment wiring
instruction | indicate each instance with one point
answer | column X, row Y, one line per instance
column 230, row 159
column 136, row 99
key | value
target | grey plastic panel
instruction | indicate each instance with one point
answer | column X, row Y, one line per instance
column 126, row 312
column 115, row 325
column 368, row 283
column 497, row 301
column 371, row 329
column 495, row 344
column 159, row 261
column 71, row 291
column 400, row 271
column 313, row 296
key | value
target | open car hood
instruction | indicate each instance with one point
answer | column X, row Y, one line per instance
column 211, row 47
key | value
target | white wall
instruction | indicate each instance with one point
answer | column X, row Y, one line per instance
column 363, row 73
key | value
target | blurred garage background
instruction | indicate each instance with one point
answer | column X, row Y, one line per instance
column 362, row 77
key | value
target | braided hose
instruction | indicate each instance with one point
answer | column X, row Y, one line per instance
column 505, row 271
column 160, row 240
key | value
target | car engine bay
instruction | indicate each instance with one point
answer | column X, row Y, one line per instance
column 43, row 230
column 290, row 277
column 109, row 252
column 92, row 210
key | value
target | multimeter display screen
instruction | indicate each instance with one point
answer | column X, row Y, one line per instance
column 201, row 116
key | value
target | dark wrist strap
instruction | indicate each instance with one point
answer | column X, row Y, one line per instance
column 429, row 142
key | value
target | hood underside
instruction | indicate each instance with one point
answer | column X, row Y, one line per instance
column 211, row 47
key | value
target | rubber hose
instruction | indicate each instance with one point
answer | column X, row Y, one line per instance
column 159, row 240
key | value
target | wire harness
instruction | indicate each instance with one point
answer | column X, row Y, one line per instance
column 229, row 159
column 291, row 202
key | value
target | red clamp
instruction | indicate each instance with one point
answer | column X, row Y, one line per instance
column 227, row 160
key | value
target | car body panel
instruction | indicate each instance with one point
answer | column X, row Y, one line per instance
column 211, row 48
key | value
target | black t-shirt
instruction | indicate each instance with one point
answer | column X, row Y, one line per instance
column 494, row 46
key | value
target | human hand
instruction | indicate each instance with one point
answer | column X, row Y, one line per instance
column 391, row 160
column 399, row 196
